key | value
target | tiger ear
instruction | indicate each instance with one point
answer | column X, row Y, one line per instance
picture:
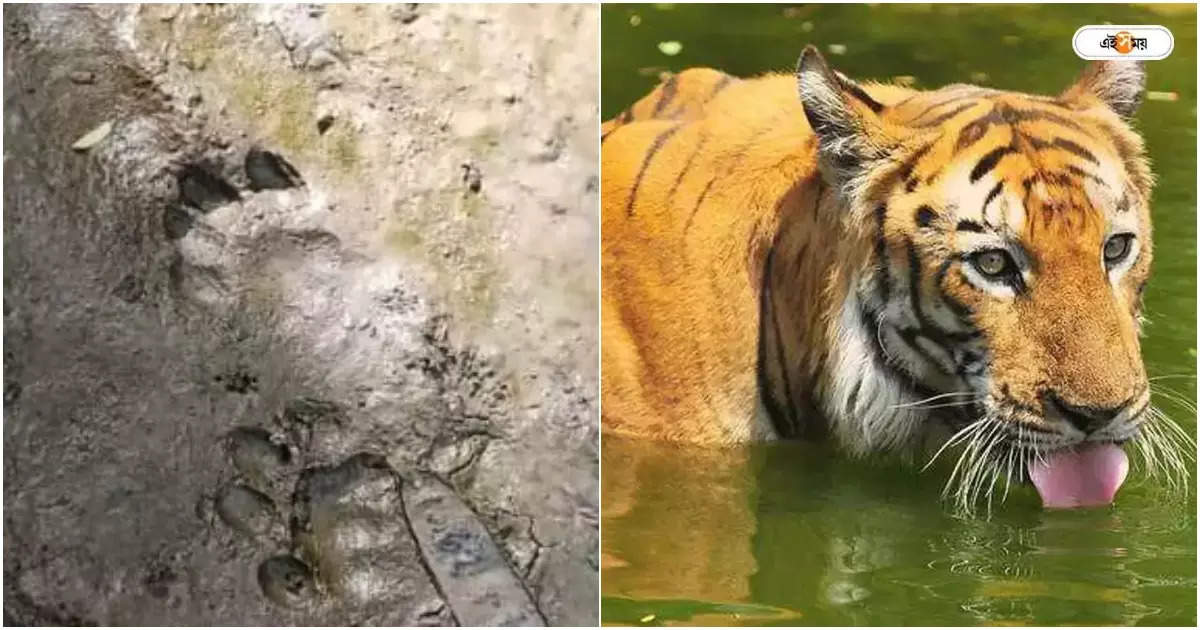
column 843, row 117
column 1117, row 84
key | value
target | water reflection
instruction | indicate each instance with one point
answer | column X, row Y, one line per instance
column 817, row 540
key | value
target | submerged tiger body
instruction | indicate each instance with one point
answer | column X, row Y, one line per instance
column 801, row 256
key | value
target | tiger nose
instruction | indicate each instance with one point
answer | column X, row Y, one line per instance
column 1085, row 418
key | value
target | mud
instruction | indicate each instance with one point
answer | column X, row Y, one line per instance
column 326, row 258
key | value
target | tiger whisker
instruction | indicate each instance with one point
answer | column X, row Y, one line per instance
column 1174, row 396
column 963, row 403
column 933, row 398
column 974, row 428
column 971, row 479
column 1166, row 376
column 954, row 439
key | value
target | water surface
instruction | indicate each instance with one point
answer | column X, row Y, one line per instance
column 792, row 534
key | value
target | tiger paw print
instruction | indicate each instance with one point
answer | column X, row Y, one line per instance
column 356, row 542
column 255, row 505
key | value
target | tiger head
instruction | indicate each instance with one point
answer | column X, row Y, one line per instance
column 999, row 244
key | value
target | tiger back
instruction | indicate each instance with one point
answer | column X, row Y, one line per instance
column 682, row 364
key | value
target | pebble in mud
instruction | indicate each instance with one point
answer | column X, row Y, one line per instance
column 256, row 456
column 246, row 510
column 287, row 582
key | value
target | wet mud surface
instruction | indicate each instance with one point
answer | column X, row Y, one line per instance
column 309, row 336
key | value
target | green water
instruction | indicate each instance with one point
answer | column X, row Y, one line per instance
column 791, row 534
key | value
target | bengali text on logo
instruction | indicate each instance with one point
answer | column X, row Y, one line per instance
column 1144, row 43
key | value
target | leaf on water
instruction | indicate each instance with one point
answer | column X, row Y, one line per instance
column 1162, row 96
column 652, row 71
column 670, row 48
column 93, row 137
column 837, row 49
column 646, row 619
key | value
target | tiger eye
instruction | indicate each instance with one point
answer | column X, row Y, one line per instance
column 992, row 263
column 1116, row 248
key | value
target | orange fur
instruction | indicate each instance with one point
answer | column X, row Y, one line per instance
column 709, row 180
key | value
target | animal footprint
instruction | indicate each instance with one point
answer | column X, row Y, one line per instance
column 251, row 506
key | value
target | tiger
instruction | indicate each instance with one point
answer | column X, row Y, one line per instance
column 803, row 256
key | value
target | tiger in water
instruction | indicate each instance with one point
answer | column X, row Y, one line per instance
column 897, row 270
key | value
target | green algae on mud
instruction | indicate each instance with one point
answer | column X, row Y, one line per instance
column 452, row 231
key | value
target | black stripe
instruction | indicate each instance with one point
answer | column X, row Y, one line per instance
column 909, row 337
column 637, row 182
column 1009, row 115
column 781, row 419
column 870, row 328
column 970, row 363
column 910, row 163
column 914, row 280
column 1024, row 115
column 962, row 311
column 992, row 194
column 1123, row 204
column 687, row 226
column 957, row 99
column 973, row 132
column 947, row 115
column 967, row 225
column 721, row 85
column 779, row 350
column 882, row 279
column 1027, row 184
column 668, row 93
column 928, row 328
column 988, row 162
column 1072, row 147
column 852, row 400
column 741, row 153
column 1079, row 172
column 1037, row 143
column 686, row 167
column 816, row 211
column 858, row 93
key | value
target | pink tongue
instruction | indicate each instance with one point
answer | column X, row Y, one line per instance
column 1089, row 476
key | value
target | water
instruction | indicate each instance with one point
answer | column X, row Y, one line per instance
column 792, row 534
